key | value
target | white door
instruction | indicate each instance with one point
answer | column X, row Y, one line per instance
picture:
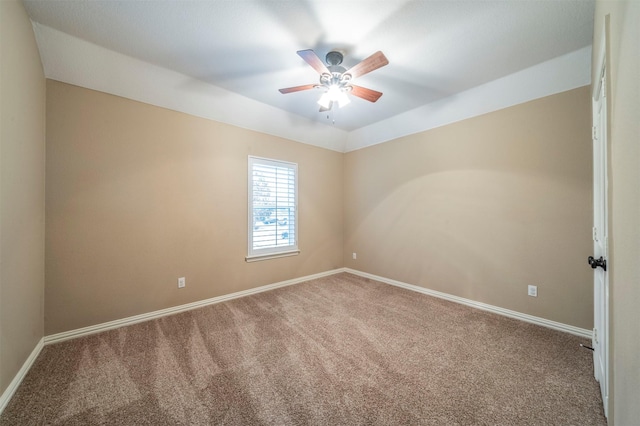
column 600, row 233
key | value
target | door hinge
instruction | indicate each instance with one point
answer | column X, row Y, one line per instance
column 603, row 83
column 595, row 335
column 593, row 133
column 595, row 234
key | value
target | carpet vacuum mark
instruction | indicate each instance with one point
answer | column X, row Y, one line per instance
column 339, row 350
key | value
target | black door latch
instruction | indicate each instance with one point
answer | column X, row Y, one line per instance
column 597, row 262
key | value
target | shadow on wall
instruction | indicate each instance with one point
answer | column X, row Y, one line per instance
column 479, row 234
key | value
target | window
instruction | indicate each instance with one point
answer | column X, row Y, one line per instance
column 273, row 209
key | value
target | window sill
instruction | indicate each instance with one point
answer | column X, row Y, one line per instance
column 259, row 257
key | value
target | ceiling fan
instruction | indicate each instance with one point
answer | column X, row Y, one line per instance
column 335, row 80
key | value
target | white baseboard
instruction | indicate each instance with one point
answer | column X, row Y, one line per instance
column 587, row 334
column 13, row 386
column 85, row 331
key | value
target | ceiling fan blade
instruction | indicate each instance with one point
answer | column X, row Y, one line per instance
column 364, row 93
column 373, row 62
column 297, row 88
column 312, row 59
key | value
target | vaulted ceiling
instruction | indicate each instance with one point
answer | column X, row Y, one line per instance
column 226, row 60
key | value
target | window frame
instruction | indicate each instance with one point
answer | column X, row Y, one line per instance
column 253, row 254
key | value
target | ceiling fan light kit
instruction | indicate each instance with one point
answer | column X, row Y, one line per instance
column 334, row 94
column 335, row 80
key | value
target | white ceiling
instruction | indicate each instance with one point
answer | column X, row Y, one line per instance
column 436, row 49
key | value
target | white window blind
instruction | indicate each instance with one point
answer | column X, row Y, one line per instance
column 273, row 212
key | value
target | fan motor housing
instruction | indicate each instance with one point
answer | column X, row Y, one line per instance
column 334, row 59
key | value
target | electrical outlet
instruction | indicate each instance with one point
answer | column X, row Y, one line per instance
column 533, row 291
column 182, row 281
column 354, row 256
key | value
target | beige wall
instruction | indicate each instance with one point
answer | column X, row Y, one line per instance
column 482, row 208
column 624, row 196
column 22, row 152
column 138, row 196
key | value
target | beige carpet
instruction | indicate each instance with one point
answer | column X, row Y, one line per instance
column 341, row 350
